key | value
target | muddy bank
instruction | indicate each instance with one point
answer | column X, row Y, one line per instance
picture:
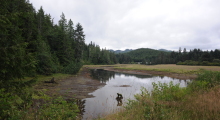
column 77, row 86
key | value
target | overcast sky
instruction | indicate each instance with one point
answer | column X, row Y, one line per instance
column 156, row 24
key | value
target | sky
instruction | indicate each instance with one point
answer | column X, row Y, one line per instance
column 133, row 24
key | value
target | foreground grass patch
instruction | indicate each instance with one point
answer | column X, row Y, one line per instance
column 199, row 100
column 19, row 100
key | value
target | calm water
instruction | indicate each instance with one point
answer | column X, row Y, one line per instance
column 105, row 101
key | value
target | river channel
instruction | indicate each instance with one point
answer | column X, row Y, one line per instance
column 104, row 101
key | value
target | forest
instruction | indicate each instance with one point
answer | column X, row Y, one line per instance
column 32, row 44
column 181, row 57
column 30, row 41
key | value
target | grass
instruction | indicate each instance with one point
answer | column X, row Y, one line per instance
column 169, row 68
column 199, row 100
column 182, row 69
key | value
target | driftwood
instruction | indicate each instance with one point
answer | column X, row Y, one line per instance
column 51, row 81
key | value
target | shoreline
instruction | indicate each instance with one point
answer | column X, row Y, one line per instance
column 149, row 72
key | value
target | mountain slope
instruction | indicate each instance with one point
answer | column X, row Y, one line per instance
column 144, row 53
column 164, row 50
column 121, row 51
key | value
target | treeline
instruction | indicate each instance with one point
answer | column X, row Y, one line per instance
column 181, row 57
column 198, row 57
column 32, row 43
column 143, row 55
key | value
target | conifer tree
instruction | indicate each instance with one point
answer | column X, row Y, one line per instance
column 80, row 42
column 16, row 61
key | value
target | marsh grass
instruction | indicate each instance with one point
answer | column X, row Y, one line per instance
column 199, row 100
column 169, row 68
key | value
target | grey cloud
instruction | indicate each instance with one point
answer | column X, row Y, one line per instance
column 133, row 24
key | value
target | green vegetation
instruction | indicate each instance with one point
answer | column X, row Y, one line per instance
column 19, row 100
column 199, row 100
column 151, row 56
column 215, row 62
column 139, row 55
column 121, row 51
column 144, row 53
column 31, row 45
column 171, row 68
column 58, row 109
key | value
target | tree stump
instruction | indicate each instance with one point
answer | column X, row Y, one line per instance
column 51, row 81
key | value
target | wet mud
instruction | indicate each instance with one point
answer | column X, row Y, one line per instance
column 75, row 87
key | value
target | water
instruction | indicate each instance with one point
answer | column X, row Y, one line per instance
column 105, row 101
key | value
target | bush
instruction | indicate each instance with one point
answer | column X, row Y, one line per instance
column 213, row 77
column 15, row 98
column 72, row 68
column 59, row 109
column 216, row 61
column 168, row 92
column 205, row 63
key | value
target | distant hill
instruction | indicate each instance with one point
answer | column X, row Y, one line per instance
column 164, row 50
column 144, row 53
column 121, row 51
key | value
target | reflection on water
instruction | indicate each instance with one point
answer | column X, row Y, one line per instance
column 107, row 99
column 119, row 99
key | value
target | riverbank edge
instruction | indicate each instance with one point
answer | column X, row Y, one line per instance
column 156, row 72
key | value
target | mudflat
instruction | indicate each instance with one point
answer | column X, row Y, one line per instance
column 76, row 87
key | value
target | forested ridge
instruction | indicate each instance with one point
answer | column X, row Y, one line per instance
column 181, row 57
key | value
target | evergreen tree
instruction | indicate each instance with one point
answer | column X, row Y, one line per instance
column 64, row 46
column 70, row 41
column 80, row 42
column 16, row 61
column 45, row 64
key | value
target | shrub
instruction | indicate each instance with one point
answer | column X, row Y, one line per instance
column 168, row 92
column 59, row 109
column 207, row 79
column 72, row 68
column 216, row 61
column 15, row 98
